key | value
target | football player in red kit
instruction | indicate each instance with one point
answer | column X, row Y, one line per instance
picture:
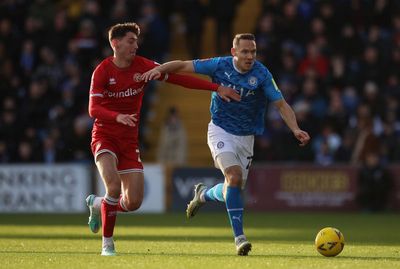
column 116, row 94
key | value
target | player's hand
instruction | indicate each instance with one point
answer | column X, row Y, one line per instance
column 127, row 119
column 152, row 74
column 302, row 136
column 228, row 94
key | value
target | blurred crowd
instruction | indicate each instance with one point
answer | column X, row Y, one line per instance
column 48, row 51
column 338, row 65
column 336, row 62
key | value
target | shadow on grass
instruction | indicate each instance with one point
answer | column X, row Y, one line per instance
column 208, row 255
column 252, row 220
column 156, row 238
column 49, row 252
column 279, row 238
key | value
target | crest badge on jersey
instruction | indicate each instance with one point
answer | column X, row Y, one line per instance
column 220, row 144
column 136, row 77
column 252, row 81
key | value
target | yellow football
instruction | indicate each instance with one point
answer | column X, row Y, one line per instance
column 329, row 242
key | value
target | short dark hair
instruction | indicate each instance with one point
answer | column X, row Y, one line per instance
column 244, row 36
column 119, row 30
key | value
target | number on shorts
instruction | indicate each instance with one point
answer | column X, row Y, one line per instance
column 250, row 158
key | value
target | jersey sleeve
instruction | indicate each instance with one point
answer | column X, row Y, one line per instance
column 271, row 90
column 96, row 97
column 98, row 82
column 206, row 66
column 182, row 80
column 191, row 82
column 149, row 64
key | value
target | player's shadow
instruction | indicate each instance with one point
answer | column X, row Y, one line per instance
column 78, row 252
column 157, row 238
column 252, row 256
column 258, row 255
column 161, row 237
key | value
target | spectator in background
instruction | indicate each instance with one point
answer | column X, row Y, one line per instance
column 77, row 140
column 325, row 145
column 27, row 58
column 374, row 184
column 86, row 42
column 8, row 126
column 154, row 44
column 344, row 152
column 323, row 155
column 26, row 153
column 314, row 63
column 194, row 12
column 172, row 146
column 155, row 37
column 366, row 140
column 49, row 150
column 62, row 29
column 4, row 153
column 223, row 12
column 267, row 40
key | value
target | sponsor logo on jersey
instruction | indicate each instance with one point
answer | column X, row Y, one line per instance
column 252, row 81
column 220, row 144
column 240, row 90
column 123, row 93
column 112, row 81
column 136, row 77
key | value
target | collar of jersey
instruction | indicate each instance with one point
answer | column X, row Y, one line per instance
column 237, row 70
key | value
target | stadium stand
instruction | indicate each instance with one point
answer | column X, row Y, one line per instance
column 336, row 62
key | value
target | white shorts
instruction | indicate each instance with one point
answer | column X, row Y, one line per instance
column 220, row 141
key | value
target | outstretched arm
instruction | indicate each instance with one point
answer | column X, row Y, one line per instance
column 190, row 82
column 167, row 72
column 169, row 67
column 289, row 117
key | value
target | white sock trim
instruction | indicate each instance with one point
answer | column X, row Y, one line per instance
column 235, row 209
column 110, row 200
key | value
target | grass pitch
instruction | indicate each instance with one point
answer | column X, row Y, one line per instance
column 280, row 240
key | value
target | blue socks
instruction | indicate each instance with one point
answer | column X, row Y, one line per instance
column 215, row 193
column 234, row 206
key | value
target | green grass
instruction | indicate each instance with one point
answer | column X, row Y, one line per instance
column 280, row 240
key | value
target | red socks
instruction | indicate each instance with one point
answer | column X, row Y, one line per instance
column 109, row 207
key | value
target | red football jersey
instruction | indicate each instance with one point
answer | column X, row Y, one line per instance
column 115, row 90
column 118, row 90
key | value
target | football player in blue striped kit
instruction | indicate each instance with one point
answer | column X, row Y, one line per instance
column 233, row 124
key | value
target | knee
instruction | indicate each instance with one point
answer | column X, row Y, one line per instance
column 234, row 177
column 114, row 188
column 132, row 204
